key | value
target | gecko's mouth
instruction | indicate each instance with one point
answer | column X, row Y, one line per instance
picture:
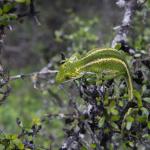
column 68, row 80
column 72, row 79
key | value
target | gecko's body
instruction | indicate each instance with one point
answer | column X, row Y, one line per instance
column 107, row 62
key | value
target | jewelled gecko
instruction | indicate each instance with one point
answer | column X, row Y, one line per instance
column 107, row 62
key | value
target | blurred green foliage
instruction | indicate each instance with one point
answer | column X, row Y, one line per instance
column 80, row 35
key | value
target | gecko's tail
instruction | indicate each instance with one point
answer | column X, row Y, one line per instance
column 129, row 81
column 129, row 84
column 130, row 88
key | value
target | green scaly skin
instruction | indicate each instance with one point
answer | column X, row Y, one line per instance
column 107, row 62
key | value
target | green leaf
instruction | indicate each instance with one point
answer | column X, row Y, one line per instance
column 146, row 99
column 12, row 136
column 141, row 118
column 131, row 143
column 144, row 116
column 101, row 122
column 121, row 103
column 36, row 121
column 5, row 19
column 148, row 124
column 147, row 136
column 19, row 144
column 115, row 117
column 114, row 111
column 7, row 8
column 130, row 119
column 115, row 126
column 112, row 104
column 138, row 97
column 93, row 145
column 144, row 111
column 83, row 148
column 118, row 46
column 128, row 125
column 1, row 11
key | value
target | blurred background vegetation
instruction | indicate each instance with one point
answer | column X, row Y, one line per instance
column 67, row 26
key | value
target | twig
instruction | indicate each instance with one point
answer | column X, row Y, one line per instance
column 22, row 76
column 58, row 99
column 93, row 136
column 60, row 116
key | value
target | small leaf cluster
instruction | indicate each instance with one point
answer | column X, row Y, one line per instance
column 9, row 11
column 23, row 140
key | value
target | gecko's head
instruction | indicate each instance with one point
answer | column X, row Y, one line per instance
column 67, row 71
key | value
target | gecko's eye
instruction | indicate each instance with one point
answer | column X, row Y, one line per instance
column 67, row 78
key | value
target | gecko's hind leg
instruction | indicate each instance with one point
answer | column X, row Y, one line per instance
column 107, row 75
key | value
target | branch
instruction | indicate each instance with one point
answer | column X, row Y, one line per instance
column 122, row 30
column 29, row 75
